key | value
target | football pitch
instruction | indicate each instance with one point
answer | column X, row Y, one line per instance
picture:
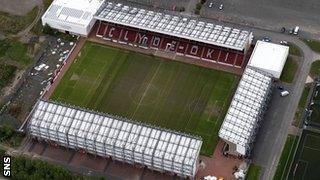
column 169, row 94
column 307, row 159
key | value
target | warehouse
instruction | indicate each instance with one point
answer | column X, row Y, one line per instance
column 115, row 137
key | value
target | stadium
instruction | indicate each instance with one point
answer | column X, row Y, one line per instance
column 113, row 101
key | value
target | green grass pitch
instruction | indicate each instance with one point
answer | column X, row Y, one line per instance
column 144, row 88
column 307, row 158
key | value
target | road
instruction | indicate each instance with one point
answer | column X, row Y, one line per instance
column 278, row 119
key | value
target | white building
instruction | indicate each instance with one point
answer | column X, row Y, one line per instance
column 247, row 109
column 115, row 137
column 72, row 16
column 269, row 57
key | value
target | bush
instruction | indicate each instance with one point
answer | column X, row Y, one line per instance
column 53, row 32
column 23, row 168
column 48, row 30
column 6, row 74
column 10, row 137
column 18, row 52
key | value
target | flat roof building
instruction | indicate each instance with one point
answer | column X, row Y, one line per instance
column 269, row 57
column 73, row 16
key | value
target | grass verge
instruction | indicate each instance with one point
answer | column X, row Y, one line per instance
column 313, row 44
column 315, row 69
column 289, row 70
column 294, row 50
column 286, row 158
column 301, row 105
column 253, row 172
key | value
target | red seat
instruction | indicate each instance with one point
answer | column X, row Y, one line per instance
column 101, row 29
column 239, row 60
column 223, row 56
column 231, row 58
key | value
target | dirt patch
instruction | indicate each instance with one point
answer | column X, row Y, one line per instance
column 18, row 7
column 75, row 77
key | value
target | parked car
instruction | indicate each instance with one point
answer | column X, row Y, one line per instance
column 283, row 29
column 266, row 39
column 283, row 42
column 221, row 7
column 296, row 30
column 211, row 5
column 280, row 87
column 284, row 93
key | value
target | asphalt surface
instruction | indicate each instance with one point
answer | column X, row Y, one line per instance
column 18, row 7
column 271, row 14
column 276, row 124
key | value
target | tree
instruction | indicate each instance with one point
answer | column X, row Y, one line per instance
column 47, row 29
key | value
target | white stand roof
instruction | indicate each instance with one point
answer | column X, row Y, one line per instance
column 75, row 16
column 124, row 140
column 269, row 57
column 246, row 110
column 175, row 25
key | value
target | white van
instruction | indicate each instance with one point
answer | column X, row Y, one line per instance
column 296, row 30
column 284, row 93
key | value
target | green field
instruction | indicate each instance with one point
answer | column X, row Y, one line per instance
column 307, row 158
column 165, row 93
column 289, row 70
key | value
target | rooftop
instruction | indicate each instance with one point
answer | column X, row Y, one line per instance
column 174, row 25
column 269, row 57
column 79, row 12
column 122, row 139
column 246, row 109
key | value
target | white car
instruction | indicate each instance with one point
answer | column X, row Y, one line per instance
column 284, row 93
column 221, row 7
column 211, row 5
column 284, row 42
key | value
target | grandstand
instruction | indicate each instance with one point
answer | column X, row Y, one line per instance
column 246, row 111
column 251, row 99
column 191, row 37
column 115, row 137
